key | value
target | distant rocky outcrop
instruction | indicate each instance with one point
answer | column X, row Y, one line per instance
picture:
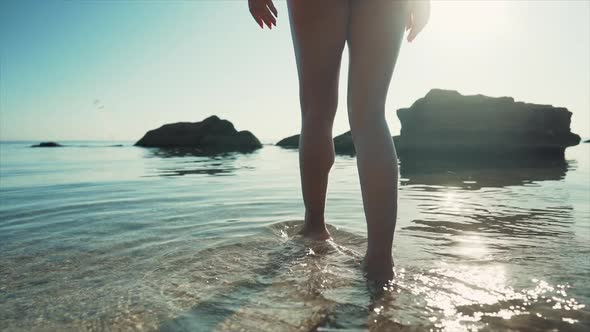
column 446, row 122
column 291, row 142
column 212, row 135
column 342, row 143
column 46, row 145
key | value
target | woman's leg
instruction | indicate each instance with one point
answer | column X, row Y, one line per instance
column 375, row 35
column 319, row 30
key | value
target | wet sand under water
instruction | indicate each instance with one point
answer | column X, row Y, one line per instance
column 279, row 281
column 291, row 283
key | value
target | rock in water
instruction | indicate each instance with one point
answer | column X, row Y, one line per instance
column 342, row 143
column 291, row 142
column 446, row 122
column 211, row 135
column 46, row 145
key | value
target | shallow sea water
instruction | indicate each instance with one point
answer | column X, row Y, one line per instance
column 95, row 237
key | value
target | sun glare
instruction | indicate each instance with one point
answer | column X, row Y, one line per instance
column 469, row 19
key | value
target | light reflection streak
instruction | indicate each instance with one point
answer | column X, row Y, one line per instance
column 465, row 297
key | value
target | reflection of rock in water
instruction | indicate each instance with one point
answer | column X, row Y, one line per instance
column 190, row 152
column 477, row 173
column 220, row 164
column 443, row 223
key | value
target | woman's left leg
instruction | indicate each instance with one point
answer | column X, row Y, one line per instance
column 376, row 32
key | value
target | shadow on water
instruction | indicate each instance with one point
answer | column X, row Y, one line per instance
column 214, row 311
column 477, row 173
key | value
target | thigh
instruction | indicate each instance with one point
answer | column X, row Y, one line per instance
column 319, row 32
column 376, row 30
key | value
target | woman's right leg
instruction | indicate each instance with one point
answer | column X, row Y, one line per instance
column 318, row 29
column 375, row 36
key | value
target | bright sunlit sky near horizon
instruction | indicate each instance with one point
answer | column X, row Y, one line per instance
column 83, row 70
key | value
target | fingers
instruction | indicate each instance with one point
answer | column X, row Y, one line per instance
column 412, row 35
column 272, row 8
column 263, row 12
column 418, row 18
column 270, row 19
column 416, row 28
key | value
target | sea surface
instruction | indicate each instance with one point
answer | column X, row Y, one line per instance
column 100, row 237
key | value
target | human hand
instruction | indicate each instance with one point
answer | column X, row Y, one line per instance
column 418, row 16
column 263, row 11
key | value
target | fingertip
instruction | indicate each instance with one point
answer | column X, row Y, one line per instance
column 412, row 35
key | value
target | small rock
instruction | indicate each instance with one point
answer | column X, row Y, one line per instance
column 46, row 145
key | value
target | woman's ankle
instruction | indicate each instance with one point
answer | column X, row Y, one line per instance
column 314, row 221
column 378, row 267
column 315, row 229
column 378, row 263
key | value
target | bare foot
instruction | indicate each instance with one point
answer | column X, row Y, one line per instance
column 318, row 234
column 378, row 268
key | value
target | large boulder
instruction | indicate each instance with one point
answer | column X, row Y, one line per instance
column 212, row 135
column 447, row 123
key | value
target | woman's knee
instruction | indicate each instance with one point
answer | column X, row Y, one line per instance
column 318, row 121
column 318, row 107
column 365, row 115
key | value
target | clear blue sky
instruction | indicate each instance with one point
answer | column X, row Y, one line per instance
column 115, row 69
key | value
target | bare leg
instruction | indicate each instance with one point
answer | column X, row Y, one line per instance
column 376, row 32
column 318, row 29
